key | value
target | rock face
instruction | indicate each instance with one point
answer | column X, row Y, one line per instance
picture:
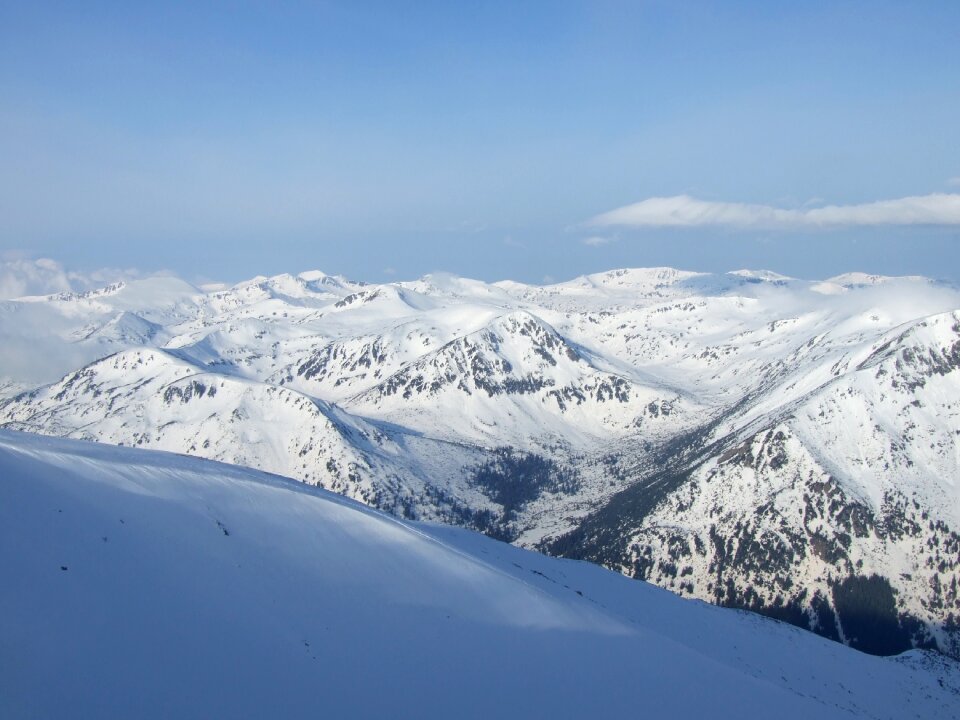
column 748, row 439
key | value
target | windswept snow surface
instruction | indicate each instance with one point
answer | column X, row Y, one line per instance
column 146, row 584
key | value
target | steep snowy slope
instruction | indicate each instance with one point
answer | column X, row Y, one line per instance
column 152, row 585
column 835, row 507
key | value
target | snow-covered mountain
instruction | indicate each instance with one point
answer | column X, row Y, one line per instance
column 155, row 585
column 750, row 439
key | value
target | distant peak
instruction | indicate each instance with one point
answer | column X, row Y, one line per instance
column 860, row 279
column 765, row 275
column 636, row 277
column 313, row 275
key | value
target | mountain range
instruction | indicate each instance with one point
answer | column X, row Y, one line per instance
column 786, row 446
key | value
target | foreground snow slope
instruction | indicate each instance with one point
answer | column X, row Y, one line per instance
column 139, row 584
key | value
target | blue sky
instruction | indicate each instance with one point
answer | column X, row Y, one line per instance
column 222, row 140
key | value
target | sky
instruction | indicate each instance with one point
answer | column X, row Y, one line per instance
column 534, row 141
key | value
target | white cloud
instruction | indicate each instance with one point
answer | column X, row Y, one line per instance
column 686, row 211
column 598, row 240
column 954, row 181
column 32, row 277
column 21, row 276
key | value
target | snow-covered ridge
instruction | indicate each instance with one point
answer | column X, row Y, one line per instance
column 156, row 585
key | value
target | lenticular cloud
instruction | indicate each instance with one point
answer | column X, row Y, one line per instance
column 686, row 211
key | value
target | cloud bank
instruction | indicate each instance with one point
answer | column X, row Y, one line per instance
column 22, row 276
column 689, row 212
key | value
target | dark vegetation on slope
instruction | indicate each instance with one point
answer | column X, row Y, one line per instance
column 512, row 479
column 868, row 613
column 603, row 536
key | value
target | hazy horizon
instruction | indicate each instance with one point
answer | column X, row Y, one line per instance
column 529, row 142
